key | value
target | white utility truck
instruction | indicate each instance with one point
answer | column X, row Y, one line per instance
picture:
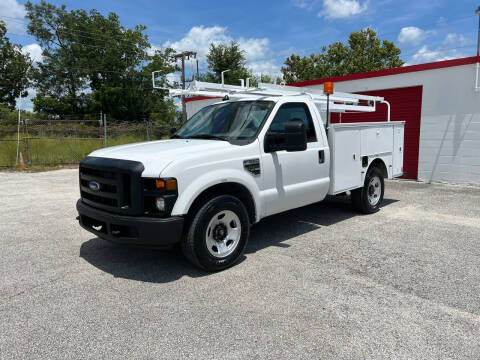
column 260, row 151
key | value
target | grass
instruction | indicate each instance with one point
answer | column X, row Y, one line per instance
column 56, row 150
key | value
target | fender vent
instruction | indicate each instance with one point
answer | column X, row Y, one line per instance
column 252, row 166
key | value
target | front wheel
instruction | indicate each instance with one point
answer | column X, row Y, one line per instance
column 218, row 234
column 369, row 198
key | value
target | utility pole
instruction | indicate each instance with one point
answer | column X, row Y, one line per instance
column 184, row 55
column 478, row 38
column 477, row 84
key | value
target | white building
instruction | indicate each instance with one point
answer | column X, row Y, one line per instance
column 440, row 105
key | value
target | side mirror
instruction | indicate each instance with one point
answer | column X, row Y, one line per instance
column 295, row 136
column 173, row 130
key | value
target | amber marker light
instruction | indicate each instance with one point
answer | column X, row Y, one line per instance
column 160, row 184
column 171, row 185
column 328, row 87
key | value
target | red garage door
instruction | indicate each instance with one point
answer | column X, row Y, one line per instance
column 406, row 104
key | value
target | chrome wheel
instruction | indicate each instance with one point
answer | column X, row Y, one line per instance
column 223, row 233
column 374, row 190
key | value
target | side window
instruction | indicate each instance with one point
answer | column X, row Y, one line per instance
column 294, row 111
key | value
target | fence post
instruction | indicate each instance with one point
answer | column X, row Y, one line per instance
column 104, row 130
column 148, row 133
column 18, row 138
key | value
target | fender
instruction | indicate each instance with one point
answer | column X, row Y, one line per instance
column 380, row 161
column 188, row 195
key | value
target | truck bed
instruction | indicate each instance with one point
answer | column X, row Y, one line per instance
column 354, row 146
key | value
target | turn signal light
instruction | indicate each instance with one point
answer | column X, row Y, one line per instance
column 168, row 184
column 328, row 87
column 171, row 185
column 160, row 184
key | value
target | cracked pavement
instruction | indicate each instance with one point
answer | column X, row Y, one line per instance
column 316, row 282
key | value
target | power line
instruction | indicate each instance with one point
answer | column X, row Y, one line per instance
column 97, row 36
column 109, row 37
column 73, row 31
column 302, row 52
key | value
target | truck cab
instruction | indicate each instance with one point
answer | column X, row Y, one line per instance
column 230, row 165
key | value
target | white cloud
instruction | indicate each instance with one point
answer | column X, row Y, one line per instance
column 255, row 48
column 264, row 67
column 455, row 39
column 199, row 38
column 451, row 43
column 13, row 13
column 26, row 102
column 341, row 9
column 151, row 50
column 303, row 4
column 35, row 52
column 425, row 55
column 411, row 35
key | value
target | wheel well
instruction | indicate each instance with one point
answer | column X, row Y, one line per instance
column 229, row 188
column 380, row 165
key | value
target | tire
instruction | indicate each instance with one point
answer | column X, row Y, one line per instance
column 218, row 233
column 369, row 198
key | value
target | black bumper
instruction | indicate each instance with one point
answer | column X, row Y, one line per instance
column 142, row 231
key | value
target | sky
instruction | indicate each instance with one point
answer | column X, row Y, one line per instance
column 270, row 31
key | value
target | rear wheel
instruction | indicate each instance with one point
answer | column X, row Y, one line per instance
column 369, row 198
column 218, row 233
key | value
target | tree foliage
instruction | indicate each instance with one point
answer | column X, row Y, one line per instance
column 92, row 63
column 14, row 70
column 364, row 52
column 222, row 57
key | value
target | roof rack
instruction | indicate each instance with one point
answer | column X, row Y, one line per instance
column 338, row 101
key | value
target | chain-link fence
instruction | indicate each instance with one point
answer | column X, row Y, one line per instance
column 55, row 142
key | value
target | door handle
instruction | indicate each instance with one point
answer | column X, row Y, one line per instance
column 321, row 156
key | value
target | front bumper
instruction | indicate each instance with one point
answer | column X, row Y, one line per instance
column 142, row 231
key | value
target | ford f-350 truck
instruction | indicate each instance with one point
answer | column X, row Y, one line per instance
column 254, row 154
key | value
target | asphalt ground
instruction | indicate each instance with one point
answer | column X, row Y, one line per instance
column 317, row 282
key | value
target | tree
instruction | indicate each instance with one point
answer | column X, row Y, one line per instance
column 269, row 79
column 92, row 63
column 14, row 70
column 226, row 57
column 364, row 52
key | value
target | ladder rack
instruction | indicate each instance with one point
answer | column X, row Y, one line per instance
column 338, row 101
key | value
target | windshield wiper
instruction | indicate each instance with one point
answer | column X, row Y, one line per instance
column 208, row 137
column 176, row 137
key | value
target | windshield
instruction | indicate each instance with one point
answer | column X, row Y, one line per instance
column 238, row 120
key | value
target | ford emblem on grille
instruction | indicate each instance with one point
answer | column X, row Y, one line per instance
column 93, row 185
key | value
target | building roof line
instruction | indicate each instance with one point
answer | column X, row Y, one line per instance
column 196, row 98
column 394, row 71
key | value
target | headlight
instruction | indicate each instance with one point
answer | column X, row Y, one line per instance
column 160, row 203
column 159, row 195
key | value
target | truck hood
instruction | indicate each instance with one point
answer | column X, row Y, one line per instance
column 156, row 155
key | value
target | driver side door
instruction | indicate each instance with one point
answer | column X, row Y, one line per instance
column 297, row 178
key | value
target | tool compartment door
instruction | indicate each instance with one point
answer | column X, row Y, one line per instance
column 346, row 165
column 398, row 144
